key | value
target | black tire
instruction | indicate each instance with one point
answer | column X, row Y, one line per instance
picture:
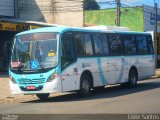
column 85, row 86
column 43, row 96
column 133, row 78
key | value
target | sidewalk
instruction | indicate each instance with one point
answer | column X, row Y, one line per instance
column 157, row 73
column 6, row 96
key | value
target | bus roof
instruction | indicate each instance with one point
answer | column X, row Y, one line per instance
column 62, row 29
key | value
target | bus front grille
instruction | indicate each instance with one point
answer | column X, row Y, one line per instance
column 31, row 81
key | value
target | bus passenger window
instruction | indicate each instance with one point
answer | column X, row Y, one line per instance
column 115, row 44
column 83, row 44
column 129, row 44
column 88, row 44
column 150, row 44
column 97, row 44
column 142, row 44
column 105, row 47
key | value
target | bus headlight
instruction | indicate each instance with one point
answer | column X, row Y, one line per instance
column 52, row 77
column 12, row 79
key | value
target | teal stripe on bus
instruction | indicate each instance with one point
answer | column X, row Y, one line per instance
column 103, row 80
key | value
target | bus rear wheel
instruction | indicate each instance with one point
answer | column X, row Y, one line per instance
column 85, row 86
column 133, row 78
column 43, row 96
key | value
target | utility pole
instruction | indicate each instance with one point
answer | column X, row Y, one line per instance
column 155, row 32
column 118, row 12
column 83, row 2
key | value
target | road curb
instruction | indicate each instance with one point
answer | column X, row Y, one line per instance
column 155, row 77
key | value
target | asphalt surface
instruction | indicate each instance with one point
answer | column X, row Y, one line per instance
column 145, row 98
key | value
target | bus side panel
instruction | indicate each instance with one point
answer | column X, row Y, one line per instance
column 131, row 61
column 144, row 64
column 113, row 69
column 71, row 78
column 147, row 66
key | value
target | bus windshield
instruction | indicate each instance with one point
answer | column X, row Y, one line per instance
column 35, row 51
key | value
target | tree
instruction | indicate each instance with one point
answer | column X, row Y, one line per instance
column 91, row 5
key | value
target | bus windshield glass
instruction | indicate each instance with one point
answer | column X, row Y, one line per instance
column 35, row 51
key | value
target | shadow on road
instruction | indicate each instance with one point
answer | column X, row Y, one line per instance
column 108, row 92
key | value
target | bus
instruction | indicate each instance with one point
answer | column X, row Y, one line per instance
column 62, row 59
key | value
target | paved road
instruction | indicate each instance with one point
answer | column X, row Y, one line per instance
column 145, row 98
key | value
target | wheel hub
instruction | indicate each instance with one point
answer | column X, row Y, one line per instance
column 85, row 85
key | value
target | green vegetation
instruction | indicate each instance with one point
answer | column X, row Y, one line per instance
column 130, row 17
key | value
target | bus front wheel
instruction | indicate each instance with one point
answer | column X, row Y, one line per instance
column 43, row 96
column 85, row 86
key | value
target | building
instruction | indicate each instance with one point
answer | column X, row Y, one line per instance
column 64, row 12
column 21, row 15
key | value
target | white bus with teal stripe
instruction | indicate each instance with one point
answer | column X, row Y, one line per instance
column 60, row 59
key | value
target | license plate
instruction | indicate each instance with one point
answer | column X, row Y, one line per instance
column 31, row 87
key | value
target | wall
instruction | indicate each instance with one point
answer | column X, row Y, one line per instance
column 64, row 12
column 131, row 17
column 31, row 10
column 149, row 18
column 68, row 12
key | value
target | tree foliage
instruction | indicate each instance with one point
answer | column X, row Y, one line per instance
column 91, row 5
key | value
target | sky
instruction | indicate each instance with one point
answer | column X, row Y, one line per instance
column 111, row 3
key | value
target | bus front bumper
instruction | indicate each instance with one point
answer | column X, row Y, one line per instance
column 48, row 87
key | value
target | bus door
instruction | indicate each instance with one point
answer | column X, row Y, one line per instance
column 68, row 57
